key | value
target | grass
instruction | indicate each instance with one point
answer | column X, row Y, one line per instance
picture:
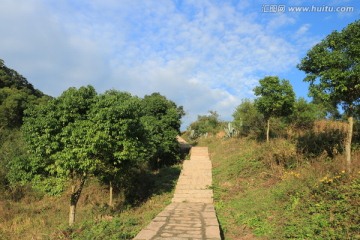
column 35, row 216
column 269, row 191
column 261, row 191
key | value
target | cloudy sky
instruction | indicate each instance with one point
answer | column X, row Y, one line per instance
column 202, row 54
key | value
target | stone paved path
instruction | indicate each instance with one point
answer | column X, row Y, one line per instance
column 191, row 215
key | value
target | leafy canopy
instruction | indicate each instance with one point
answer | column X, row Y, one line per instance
column 275, row 97
column 206, row 123
column 16, row 95
column 161, row 119
column 12, row 79
column 247, row 118
column 333, row 68
column 60, row 137
column 82, row 133
column 304, row 114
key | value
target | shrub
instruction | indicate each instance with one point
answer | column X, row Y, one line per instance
column 248, row 119
column 204, row 125
column 280, row 153
column 327, row 137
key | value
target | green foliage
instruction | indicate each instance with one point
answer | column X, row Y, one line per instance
column 14, row 170
column 13, row 102
column 329, row 211
column 59, row 135
column 275, row 97
column 112, row 136
column 280, row 153
column 333, row 68
column 161, row 119
column 119, row 138
column 50, row 185
column 304, row 114
column 308, row 201
column 117, row 228
column 248, row 119
column 327, row 109
column 16, row 95
column 9, row 78
column 83, row 133
column 206, row 124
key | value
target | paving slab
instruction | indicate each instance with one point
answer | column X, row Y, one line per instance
column 191, row 215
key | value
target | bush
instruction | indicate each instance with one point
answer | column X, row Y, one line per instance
column 313, row 144
column 280, row 153
column 248, row 120
column 305, row 114
column 204, row 125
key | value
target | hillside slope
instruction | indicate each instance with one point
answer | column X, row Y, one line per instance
column 258, row 197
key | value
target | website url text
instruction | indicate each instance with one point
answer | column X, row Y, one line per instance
column 277, row 8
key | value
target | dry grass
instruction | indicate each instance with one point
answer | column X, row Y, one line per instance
column 326, row 125
column 32, row 218
column 257, row 184
column 45, row 217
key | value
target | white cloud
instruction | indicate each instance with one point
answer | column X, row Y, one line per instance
column 205, row 55
column 34, row 43
column 302, row 30
column 279, row 21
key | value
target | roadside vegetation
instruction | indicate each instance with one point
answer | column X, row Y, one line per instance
column 29, row 214
column 83, row 165
column 271, row 191
column 88, row 165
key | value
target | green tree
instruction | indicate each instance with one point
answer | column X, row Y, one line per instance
column 329, row 109
column 16, row 94
column 13, row 102
column 12, row 79
column 247, row 118
column 60, row 138
column 275, row 98
column 13, row 154
column 82, row 134
column 121, row 139
column 304, row 114
column 162, row 120
column 333, row 69
column 206, row 124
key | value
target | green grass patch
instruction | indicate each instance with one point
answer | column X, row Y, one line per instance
column 268, row 191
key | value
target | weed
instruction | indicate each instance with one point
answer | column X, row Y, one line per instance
column 45, row 217
column 272, row 191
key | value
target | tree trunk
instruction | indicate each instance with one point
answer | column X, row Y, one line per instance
column 72, row 207
column 268, row 130
column 111, row 195
column 348, row 144
column 74, row 198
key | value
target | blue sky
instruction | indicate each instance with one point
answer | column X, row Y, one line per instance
column 202, row 54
